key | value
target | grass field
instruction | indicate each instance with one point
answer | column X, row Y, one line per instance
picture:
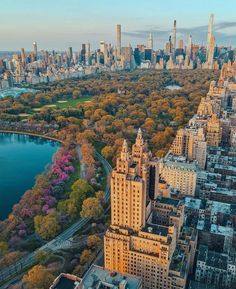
column 72, row 102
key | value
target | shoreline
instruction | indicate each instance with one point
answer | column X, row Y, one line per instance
column 31, row 134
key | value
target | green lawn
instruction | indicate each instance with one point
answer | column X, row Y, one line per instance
column 63, row 104
column 72, row 102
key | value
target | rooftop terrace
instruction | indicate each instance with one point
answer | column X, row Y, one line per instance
column 98, row 278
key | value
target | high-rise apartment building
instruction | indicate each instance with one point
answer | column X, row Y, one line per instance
column 23, row 57
column 35, row 50
column 139, row 242
column 118, row 41
column 70, row 53
column 87, row 54
column 192, row 144
column 189, row 46
column 179, row 175
column 214, row 131
column 210, row 52
column 210, row 30
column 181, row 44
column 150, row 41
column 174, row 37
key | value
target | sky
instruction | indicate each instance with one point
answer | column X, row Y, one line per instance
column 58, row 24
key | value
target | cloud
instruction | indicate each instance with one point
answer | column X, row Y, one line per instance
column 224, row 32
column 224, row 25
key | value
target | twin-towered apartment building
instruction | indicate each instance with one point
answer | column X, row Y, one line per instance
column 147, row 237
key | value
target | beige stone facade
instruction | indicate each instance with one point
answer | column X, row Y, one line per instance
column 214, row 131
column 138, row 242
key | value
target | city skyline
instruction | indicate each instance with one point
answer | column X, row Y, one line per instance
column 71, row 27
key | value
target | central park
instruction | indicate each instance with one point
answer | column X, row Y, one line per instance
column 90, row 117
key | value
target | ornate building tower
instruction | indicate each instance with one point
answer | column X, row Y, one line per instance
column 136, row 243
column 129, row 186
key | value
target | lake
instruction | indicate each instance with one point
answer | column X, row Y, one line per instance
column 173, row 87
column 15, row 91
column 22, row 158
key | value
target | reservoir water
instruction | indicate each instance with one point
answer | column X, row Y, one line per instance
column 22, row 158
column 15, row 91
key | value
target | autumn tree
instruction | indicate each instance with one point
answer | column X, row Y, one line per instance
column 41, row 256
column 86, row 256
column 100, row 195
column 107, row 152
column 94, row 241
column 38, row 278
column 3, row 248
column 48, row 226
column 92, row 208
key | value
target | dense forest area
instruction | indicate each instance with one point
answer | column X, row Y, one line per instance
column 118, row 104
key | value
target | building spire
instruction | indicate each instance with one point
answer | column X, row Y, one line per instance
column 125, row 151
column 139, row 138
column 140, row 134
column 125, row 147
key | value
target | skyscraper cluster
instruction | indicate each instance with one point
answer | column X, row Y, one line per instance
column 44, row 66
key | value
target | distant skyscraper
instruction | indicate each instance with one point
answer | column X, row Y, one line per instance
column 87, row 53
column 174, row 37
column 167, row 48
column 106, row 54
column 102, row 46
column 150, row 41
column 181, row 44
column 69, row 53
column 23, row 56
column 118, row 40
column 83, row 53
column 189, row 46
column 35, row 48
column 137, row 56
column 170, row 44
column 210, row 52
column 210, row 30
column 148, row 54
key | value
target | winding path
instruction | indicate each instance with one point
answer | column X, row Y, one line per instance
column 29, row 260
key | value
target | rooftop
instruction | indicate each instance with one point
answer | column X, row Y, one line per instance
column 225, row 191
column 156, row 229
column 193, row 203
column 98, row 277
column 168, row 201
column 181, row 165
column 212, row 258
column 66, row 281
column 178, row 262
column 219, row 207
column 221, row 230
